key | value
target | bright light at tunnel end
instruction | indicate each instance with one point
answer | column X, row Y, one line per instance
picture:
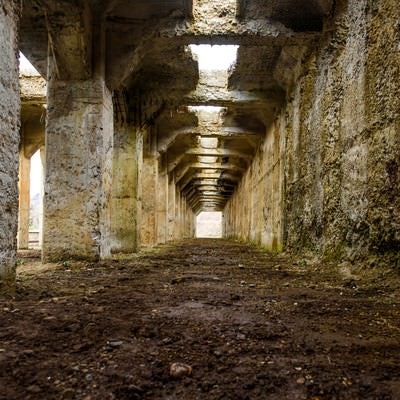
column 209, row 224
column 217, row 58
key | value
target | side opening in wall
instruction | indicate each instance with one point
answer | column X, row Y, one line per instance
column 36, row 201
column 209, row 225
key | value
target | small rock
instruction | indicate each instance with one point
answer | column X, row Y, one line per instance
column 34, row 389
column 301, row 381
column 115, row 343
column 89, row 377
column 241, row 266
column 179, row 370
column 218, row 353
column 252, row 285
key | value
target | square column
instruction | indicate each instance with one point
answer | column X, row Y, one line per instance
column 126, row 198
column 149, row 201
column 171, row 208
column 78, row 176
column 24, row 184
column 9, row 140
column 162, row 206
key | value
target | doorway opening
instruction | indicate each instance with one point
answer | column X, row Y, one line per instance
column 36, row 201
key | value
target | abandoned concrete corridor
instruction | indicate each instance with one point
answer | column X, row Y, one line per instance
column 282, row 116
column 249, row 324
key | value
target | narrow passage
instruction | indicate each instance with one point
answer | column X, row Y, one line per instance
column 250, row 325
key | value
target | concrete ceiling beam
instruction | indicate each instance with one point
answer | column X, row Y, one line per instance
column 204, row 95
column 205, row 207
column 218, row 152
column 202, row 152
column 169, row 31
column 207, row 203
column 213, row 182
column 217, row 175
column 208, row 132
column 70, row 37
column 203, row 199
column 203, row 167
column 213, row 188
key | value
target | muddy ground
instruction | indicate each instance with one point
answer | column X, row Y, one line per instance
column 249, row 324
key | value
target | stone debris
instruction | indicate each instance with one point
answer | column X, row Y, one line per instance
column 178, row 370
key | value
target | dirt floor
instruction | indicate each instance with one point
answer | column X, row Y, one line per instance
column 248, row 325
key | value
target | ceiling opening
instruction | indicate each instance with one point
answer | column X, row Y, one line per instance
column 215, row 58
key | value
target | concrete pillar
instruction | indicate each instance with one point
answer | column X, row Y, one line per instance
column 126, row 204
column 171, row 208
column 78, row 179
column 177, row 213
column 9, row 140
column 185, row 220
column 162, row 206
column 148, row 236
column 24, row 200
column 149, row 202
column 43, row 161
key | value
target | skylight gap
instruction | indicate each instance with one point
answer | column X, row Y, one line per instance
column 214, row 58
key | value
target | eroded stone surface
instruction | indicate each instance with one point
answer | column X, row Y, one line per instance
column 78, row 179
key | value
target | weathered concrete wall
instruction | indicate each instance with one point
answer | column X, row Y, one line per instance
column 9, row 139
column 126, row 199
column 254, row 212
column 340, row 133
column 79, row 140
column 344, row 202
